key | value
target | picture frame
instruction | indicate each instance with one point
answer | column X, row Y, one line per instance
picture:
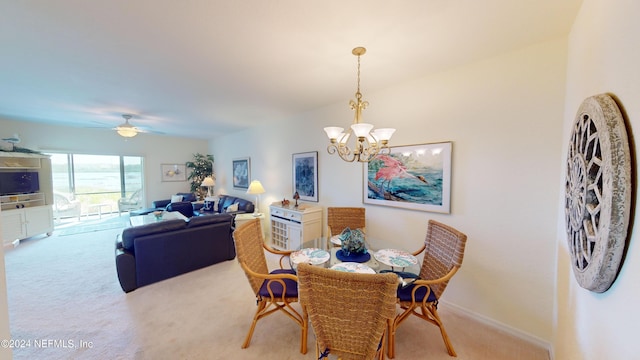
column 415, row 177
column 305, row 175
column 173, row 172
column 241, row 170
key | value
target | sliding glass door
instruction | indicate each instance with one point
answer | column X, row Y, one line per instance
column 96, row 181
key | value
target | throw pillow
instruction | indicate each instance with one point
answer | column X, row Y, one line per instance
column 176, row 198
column 232, row 207
column 210, row 204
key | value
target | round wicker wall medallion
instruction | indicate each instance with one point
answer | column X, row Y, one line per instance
column 597, row 192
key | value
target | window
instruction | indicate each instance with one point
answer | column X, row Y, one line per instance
column 98, row 181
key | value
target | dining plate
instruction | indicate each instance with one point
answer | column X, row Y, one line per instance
column 313, row 256
column 353, row 267
column 395, row 258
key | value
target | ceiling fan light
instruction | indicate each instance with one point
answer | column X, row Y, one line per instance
column 127, row 131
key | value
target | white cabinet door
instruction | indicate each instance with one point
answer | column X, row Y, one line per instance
column 13, row 226
column 39, row 220
column 294, row 232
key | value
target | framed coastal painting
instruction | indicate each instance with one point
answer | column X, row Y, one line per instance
column 416, row 177
column 173, row 172
column 241, row 173
column 305, row 175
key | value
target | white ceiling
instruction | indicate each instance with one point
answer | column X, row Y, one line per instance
column 203, row 68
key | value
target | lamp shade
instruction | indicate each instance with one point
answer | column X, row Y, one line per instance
column 361, row 129
column 383, row 134
column 255, row 188
column 208, row 181
column 333, row 131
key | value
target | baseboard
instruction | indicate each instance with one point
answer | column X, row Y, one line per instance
column 501, row 326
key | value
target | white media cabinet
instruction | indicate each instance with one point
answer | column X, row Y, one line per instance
column 26, row 215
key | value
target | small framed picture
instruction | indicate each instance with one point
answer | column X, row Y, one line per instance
column 305, row 175
column 173, row 172
column 241, row 173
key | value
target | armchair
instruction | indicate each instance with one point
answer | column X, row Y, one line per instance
column 64, row 207
column 133, row 202
column 443, row 253
column 275, row 290
column 349, row 312
column 340, row 218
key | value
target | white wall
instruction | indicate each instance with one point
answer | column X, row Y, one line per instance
column 603, row 57
column 504, row 117
column 156, row 149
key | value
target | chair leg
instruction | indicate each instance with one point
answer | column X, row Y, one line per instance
column 382, row 342
column 434, row 315
column 391, row 336
column 305, row 333
column 430, row 314
column 392, row 327
column 261, row 306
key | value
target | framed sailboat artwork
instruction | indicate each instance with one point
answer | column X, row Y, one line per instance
column 415, row 177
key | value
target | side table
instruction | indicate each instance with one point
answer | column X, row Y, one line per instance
column 243, row 218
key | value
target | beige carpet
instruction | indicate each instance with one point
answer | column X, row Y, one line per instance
column 63, row 292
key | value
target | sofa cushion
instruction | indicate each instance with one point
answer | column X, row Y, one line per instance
column 129, row 234
column 232, row 208
column 176, row 198
column 209, row 219
column 190, row 197
column 224, row 203
column 184, row 207
column 244, row 206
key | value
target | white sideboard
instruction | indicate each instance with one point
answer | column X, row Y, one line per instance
column 293, row 227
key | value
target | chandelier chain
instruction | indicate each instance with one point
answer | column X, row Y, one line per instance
column 358, row 94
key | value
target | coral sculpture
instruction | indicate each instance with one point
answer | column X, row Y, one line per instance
column 352, row 242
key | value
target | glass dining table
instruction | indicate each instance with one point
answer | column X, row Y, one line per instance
column 384, row 260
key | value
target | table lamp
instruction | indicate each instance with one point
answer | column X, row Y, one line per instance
column 256, row 188
column 209, row 183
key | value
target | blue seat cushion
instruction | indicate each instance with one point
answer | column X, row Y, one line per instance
column 276, row 287
column 404, row 294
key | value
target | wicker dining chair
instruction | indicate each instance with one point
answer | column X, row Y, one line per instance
column 443, row 252
column 340, row 218
column 349, row 312
column 275, row 290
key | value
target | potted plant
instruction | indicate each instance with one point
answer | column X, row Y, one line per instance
column 201, row 167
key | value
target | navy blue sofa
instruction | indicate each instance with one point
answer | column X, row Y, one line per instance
column 244, row 206
column 154, row 252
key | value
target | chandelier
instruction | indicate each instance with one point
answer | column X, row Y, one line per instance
column 369, row 142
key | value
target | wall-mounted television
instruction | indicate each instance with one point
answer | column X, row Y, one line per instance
column 19, row 182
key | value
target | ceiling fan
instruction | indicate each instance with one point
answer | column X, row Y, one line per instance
column 127, row 130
